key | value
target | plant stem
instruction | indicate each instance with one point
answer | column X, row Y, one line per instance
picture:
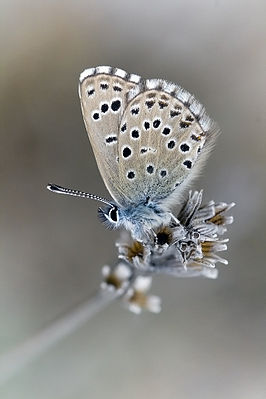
column 15, row 360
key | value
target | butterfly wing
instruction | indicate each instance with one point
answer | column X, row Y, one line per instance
column 165, row 137
column 103, row 95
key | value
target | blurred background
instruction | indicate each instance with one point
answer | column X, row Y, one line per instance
column 210, row 339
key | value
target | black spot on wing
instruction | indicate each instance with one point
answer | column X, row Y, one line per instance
column 90, row 92
column 126, row 152
column 131, row 174
column 156, row 123
column 150, row 103
column 135, row 134
column 111, row 139
column 124, row 127
column 104, row 108
column 174, row 113
column 171, row 144
column 147, row 125
column 117, row 88
column 166, row 131
column 150, row 169
column 189, row 118
column 116, row 105
column 96, row 116
column 162, row 104
column 184, row 147
column 184, row 124
column 135, row 111
column 188, row 163
column 195, row 138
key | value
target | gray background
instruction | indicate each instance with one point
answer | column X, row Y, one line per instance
column 209, row 340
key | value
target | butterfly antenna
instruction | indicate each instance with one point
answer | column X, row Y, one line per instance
column 76, row 193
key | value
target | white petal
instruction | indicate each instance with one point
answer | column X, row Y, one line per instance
column 142, row 283
column 106, row 271
column 154, row 304
column 122, row 271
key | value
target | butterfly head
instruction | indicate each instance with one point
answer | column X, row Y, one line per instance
column 139, row 219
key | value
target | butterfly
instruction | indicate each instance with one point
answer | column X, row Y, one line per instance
column 150, row 138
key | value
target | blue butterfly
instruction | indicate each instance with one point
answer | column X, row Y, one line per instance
column 150, row 139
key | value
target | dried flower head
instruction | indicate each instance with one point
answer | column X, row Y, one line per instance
column 137, row 298
column 186, row 247
column 131, row 250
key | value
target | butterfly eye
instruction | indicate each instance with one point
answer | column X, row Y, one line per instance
column 113, row 214
column 109, row 216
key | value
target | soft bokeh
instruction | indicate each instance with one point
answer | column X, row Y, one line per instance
column 210, row 339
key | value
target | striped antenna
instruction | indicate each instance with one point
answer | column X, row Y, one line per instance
column 76, row 193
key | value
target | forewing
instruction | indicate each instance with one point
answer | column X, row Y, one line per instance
column 103, row 95
column 164, row 139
